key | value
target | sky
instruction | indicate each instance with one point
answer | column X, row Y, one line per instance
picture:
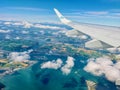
column 106, row 12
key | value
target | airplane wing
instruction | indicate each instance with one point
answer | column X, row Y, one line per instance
column 103, row 36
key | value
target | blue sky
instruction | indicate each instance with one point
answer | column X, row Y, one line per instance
column 91, row 11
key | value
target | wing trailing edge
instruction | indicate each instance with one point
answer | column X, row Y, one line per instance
column 97, row 44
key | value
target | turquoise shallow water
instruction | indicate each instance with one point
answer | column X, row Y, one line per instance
column 34, row 78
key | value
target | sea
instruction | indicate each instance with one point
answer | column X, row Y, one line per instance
column 35, row 78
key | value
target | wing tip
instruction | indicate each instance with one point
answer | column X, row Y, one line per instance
column 54, row 8
column 61, row 17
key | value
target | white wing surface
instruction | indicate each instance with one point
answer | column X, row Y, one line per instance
column 105, row 35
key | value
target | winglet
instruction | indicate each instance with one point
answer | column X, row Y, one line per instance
column 61, row 17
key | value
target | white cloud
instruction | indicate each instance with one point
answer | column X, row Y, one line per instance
column 4, row 31
column 48, row 27
column 27, row 24
column 84, row 37
column 112, row 73
column 25, row 8
column 7, row 23
column 94, row 68
column 66, row 69
column 17, row 38
column 105, row 13
column 7, row 37
column 105, row 61
column 52, row 64
column 106, row 17
column 17, row 23
column 19, row 56
column 104, row 66
column 75, row 33
column 25, row 32
column 22, row 23
column 117, row 65
column 97, row 12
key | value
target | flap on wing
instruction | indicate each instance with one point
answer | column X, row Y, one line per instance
column 76, row 33
column 97, row 44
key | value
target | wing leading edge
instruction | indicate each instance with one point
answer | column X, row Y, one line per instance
column 105, row 36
